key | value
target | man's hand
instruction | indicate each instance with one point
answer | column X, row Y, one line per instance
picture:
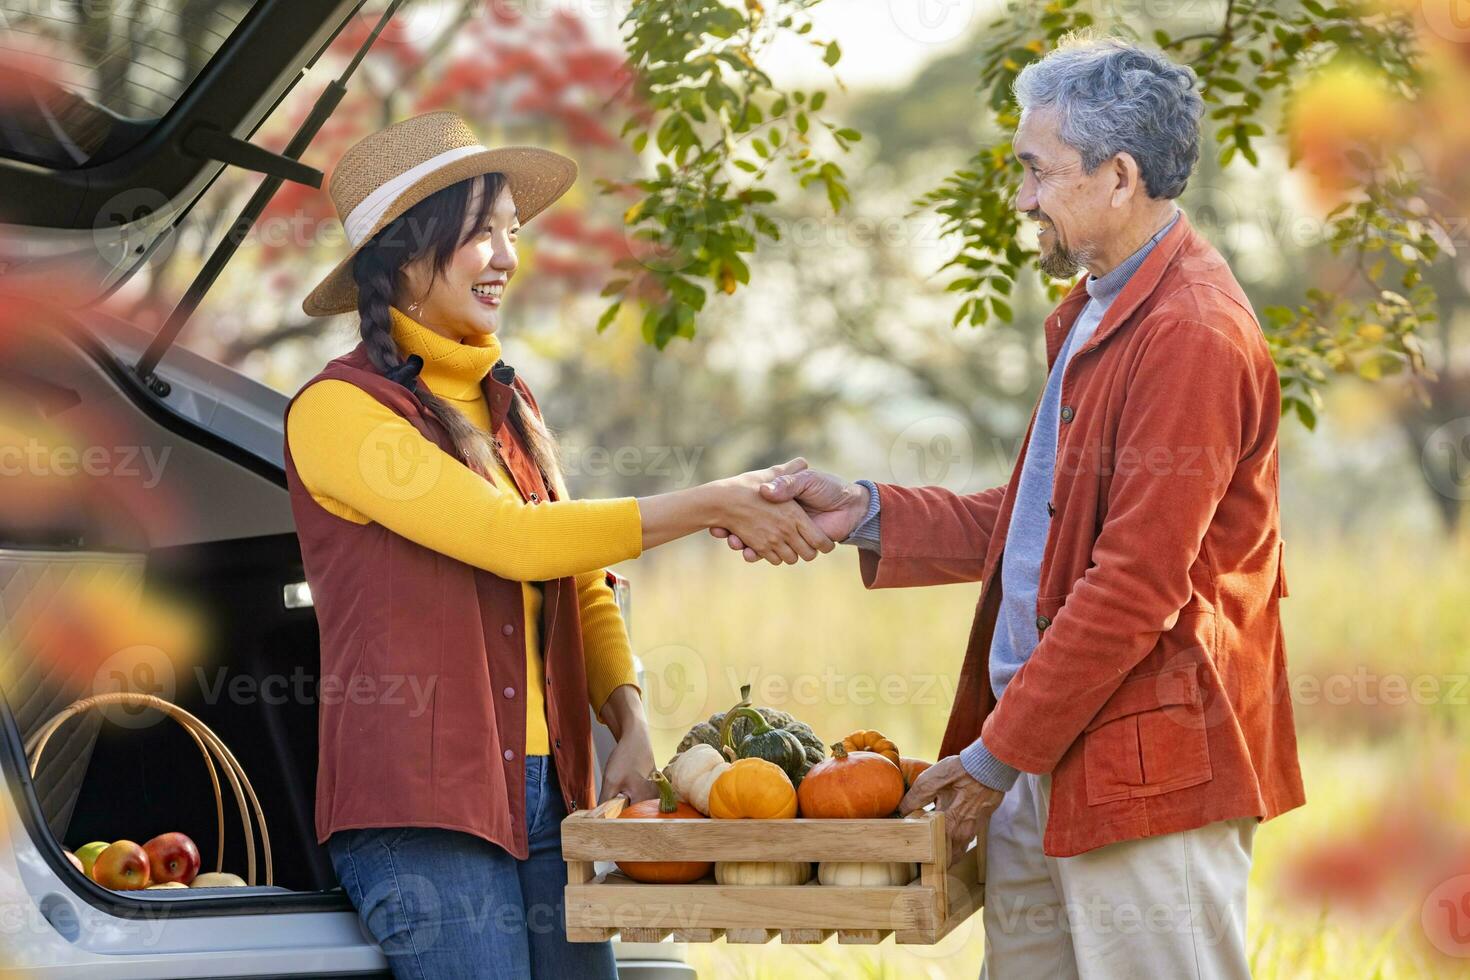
column 771, row 527
column 965, row 801
column 835, row 506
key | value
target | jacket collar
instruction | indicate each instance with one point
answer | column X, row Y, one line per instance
column 1139, row 288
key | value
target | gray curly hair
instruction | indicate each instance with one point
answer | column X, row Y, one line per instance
column 1115, row 97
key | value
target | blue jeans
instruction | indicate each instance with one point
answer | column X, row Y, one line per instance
column 444, row 904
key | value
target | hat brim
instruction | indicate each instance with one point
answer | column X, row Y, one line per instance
column 536, row 178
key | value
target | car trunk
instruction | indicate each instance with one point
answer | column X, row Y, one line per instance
column 110, row 131
column 211, row 530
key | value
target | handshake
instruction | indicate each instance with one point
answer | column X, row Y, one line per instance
column 786, row 513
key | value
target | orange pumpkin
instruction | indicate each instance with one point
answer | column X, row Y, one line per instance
column 871, row 741
column 911, row 769
column 851, row 785
column 667, row 806
column 752, row 789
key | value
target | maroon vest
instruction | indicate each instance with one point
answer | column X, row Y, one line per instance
column 422, row 717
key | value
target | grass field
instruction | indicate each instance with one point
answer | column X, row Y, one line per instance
column 1377, row 643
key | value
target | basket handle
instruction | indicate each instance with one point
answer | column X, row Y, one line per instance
column 210, row 746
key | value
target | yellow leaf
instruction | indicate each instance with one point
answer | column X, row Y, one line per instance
column 727, row 279
column 631, row 215
column 1372, row 332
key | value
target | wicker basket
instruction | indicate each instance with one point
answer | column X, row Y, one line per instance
column 211, row 748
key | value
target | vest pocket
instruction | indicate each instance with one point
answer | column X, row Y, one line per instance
column 1149, row 738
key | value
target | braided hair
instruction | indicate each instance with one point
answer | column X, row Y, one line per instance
column 433, row 227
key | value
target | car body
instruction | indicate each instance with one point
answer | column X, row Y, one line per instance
column 212, row 528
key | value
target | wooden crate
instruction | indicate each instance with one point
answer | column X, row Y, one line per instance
column 923, row 911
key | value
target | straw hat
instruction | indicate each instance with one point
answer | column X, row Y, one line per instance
column 386, row 173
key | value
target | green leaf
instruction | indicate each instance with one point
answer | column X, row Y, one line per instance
column 608, row 315
column 833, row 53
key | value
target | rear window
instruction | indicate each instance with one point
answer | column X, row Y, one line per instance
column 82, row 81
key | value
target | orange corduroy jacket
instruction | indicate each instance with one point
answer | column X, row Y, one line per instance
column 1157, row 697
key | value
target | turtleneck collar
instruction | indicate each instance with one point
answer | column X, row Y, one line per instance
column 451, row 370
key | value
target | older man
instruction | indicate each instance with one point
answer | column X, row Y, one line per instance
column 1121, row 716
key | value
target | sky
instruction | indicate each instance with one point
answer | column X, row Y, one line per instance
column 884, row 42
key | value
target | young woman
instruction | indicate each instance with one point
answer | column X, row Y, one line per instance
column 466, row 624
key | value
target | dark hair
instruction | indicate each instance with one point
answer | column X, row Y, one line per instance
column 433, row 227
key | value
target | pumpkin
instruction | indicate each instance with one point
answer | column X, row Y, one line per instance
column 871, row 741
column 752, row 789
column 709, row 732
column 765, row 741
column 851, row 785
column 666, row 807
column 849, row 873
column 693, row 772
column 763, row 872
column 911, row 769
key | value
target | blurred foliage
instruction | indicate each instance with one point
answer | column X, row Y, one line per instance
column 720, row 128
column 1318, row 59
column 1370, row 326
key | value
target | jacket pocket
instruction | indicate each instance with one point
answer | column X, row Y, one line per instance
column 1149, row 738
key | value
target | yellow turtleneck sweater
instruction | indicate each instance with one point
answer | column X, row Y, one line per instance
column 363, row 462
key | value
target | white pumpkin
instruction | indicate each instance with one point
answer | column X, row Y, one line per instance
column 693, row 772
column 866, row 872
column 763, row 872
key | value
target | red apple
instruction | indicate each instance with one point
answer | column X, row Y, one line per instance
column 172, row 857
column 123, row 866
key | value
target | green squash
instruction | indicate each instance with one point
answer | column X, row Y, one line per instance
column 774, row 732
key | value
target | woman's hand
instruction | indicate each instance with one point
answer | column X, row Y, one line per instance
column 781, row 532
column 631, row 760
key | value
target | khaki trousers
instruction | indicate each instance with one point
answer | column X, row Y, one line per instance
column 1161, row 907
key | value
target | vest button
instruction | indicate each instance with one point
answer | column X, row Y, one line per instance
column 557, row 743
column 509, row 755
column 507, row 629
column 509, row 692
column 1068, row 413
column 535, row 497
column 1042, row 623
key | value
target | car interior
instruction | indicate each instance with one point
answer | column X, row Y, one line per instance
column 112, row 126
column 214, row 534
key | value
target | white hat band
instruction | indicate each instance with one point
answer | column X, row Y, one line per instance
column 363, row 218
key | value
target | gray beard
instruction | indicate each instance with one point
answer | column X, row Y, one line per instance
column 1060, row 263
